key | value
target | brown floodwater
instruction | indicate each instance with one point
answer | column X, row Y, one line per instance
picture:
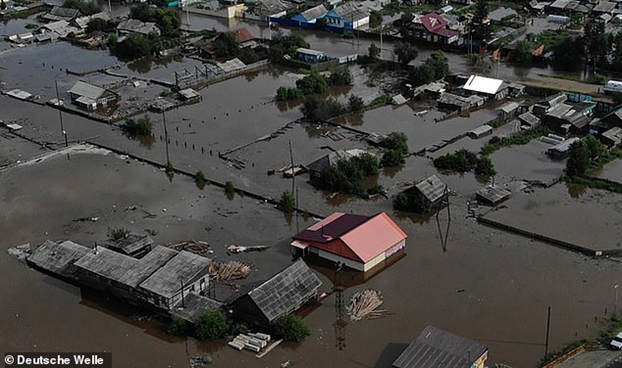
column 478, row 282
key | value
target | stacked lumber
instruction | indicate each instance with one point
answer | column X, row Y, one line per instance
column 364, row 304
column 197, row 247
column 252, row 341
column 232, row 270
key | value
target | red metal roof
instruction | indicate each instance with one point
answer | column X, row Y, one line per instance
column 242, row 35
column 434, row 23
column 357, row 237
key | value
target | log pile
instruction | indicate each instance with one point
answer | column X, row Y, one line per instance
column 225, row 271
column 364, row 304
column 197, row 247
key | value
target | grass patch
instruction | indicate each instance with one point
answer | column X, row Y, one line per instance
column 596, row 183
column 380, row 101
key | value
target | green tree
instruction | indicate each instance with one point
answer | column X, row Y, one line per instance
column 396, row 141
column 373, row 51
column 142, row 12
column 568, row 54
column 177, row 327
column 288, row 202
column 340, row 77
column 522, row 52
column 392, row 158
column 117, row 233
column 310, row 108
column 212, row 325
column 313, row 83
column 290, row 328
column 133, row 47
column 140, row 127
column 484, row 166
column 229, row 188
column 85, row 7
column 596, row 148
column 375, row 19
column 460, row 161
column 168, row 168
column 480, row 25
column 406, row 52
column 99, row 25
column 2, row 5
column 169, row 20
column 226, row 45
column 596, row 43
column 355, row 103
column 579, row 159
column 200, row 178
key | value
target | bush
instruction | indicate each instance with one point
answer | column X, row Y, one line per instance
column 140, row 127
column 349, row 174
column 177, row 327
column 288, row 93
column 340, row 77
column 117, row 233
column 461, row 161
column 485, row 166
column 290, row 328
column 288, row 202
column 391, row 158
column 313, row 83
column 355, row 103
column 212, row 325
column 416, row 204
column 579, row 159
column 396, row 141
column 168, row 168
column 229, row 188
column 200, row 178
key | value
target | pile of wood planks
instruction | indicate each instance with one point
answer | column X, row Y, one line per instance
column 232, row 270
column 197, row 247
column 251, row 341
column 364, row 304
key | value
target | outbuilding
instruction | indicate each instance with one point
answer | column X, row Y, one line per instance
column 490, row 88
column 358, row 241
column 90, row 96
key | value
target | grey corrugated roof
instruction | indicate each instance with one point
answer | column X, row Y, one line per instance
column 286, row 290
column 432, row 188
column 352, row 11
column 58, row 258
column 184, row 267
column 330, row 160
column 314, row 12
column 529, row 118
column 436, row 348
column 147, row 265
column 604, row 7
column 508, row 107
column 493, row 194
column 136, row 26
column 87, row 90
column 194, row 307
column 107, row 263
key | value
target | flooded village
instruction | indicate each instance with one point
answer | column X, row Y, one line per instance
column 319, row 160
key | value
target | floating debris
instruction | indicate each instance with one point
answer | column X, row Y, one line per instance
column 200, row 361
column 364, row 304
column 232, row 270
column 239, row 249
column 197, row 247
column 251, row 341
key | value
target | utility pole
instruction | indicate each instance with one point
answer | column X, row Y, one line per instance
column 58, row 104
column 548, row 329
column 291, row 158
column 165, row 138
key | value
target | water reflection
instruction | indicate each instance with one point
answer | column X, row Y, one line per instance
column 392, row 171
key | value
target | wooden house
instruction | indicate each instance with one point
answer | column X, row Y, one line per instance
column 278, row 296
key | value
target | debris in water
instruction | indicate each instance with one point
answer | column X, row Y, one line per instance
column 239, row 249
column 364, row 304
column 197, row 247
column 232, row 270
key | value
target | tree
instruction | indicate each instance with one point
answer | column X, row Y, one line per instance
column 355, row 103
column 595, row 42
column 433, row 68
column 200, row 178
column 340, row 77
column 396, row 141
column 140, row 127
column 177, row 327
column 392, row 158
column 212, row 325
column 142, row 12
column 226, row 45
column 85, row 7
column 133, row 47
column 484, row 166
column 288, row 202
column 313, row 83
column 310, row 108
column 2, row 5
column 480, row 25
column 596, row 148
column 568, row 54
column 290, row 328
column 460, row 161
column 99, row 25
column 229, row 188
column 373, row 51
column 579, row 159
column 375, row 19
column 168, row 20
column 406, row 52
column 522, row 52
column 117, row 233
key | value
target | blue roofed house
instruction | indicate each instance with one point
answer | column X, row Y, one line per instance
column 309, row 17
column 351, row 15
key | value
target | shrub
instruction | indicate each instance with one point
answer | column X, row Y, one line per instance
column 340, row 77
column 200, row 178
column 140, row 127
column 229, row 188
column 168, row 168
column 391, row 158
column 177, row 327
column 212, row 325
column 348, row 175
column 291, row 328
column 117, row 233
column 416, row 204
column 484, row 166
column 461, row 161
column 355, row 103
column 396, row 141
column 288, row 202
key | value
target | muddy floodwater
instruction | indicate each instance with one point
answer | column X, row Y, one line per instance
column 487, row 285
column 480, row 283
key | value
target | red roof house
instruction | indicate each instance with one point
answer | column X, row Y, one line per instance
column 432, row 27
column 360, row 242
